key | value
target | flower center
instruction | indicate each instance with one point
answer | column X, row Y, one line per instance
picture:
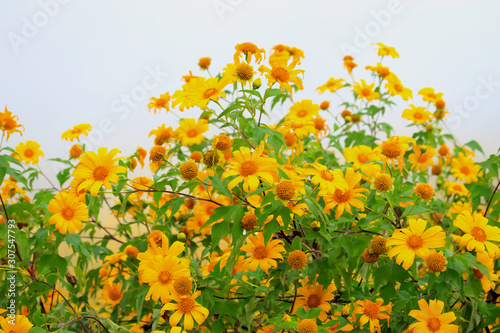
column 248, row 47
column 417, row 115
column 285, row 190
column 465, row 170
column 161, row 101
column 248, row 168
column 365, row 92
column 435, row 262
column 342, row 197
column 67, row 213
column 192, row 133
column 244, row 72
column 477, row 274
column 182, row 285
column 371, row 310
column 280, row 74
column 433, row 324
column 114, row 294
column 76, row 131
column 28, row 153
column 100, row 173
column 313, row 301
column 362, row 158
column 209, row 93
column 327, row 175
column 164, row 277
column 422, row 158
column 260, row 252
column 478, row 234
column 302, row 113
column 382, row 183
column 186, row 305
column 414, row 242
column 9, row 124
column 398, row 87
column 391, row 149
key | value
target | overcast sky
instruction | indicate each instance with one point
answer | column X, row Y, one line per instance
column 65, row 62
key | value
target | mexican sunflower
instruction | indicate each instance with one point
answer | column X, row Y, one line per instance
column 199, row 91
column 263, row 255
column 160, row 274
column 190, row 131
column 371, row 313
column 344, row 199
column 332, row 85
column 28, row 152
column 186, row 306
column 21, row 325
column 314, row 295
column 384, row 50
column 76, row 131
column 395, row 87
column 478, row 234
column 250, row 167
column 98, row 170
column 303, row 110
column 69, row 213
column 283, row 74
column 365, row 91
column 327, row 180
column 417, row 114
column 431, row 319
column 394, row 148
column 9, row 124
column 415, row 240
column 464, row 168
column 156, row 104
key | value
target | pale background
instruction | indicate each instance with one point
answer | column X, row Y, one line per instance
column 65, row 62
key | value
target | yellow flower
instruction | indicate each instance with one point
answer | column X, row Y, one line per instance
column 263, row 255
column 28, row 152
column 69, row 213
column 381, row 70
column 486, row 281
column 199, row 91
column 394, row 148
column 332, row 85
column 372, row 312
column 162, row 135
column 249, row 49
column 384, row 50
column 456, row 188
column 301, row 128
column 191, row 132
column 464, row 168
column 314, row 295
column 365, row 91
column 21, row 325
column 349, row 64
column 98, row 170
column 186, row 306
column 161, row 102
column 328, row 180
column 239, row 71
column 281, row 51
column 76, row 131
column 283, row 74
column 8, row 123
column 421, row 160
column 417, row 114
column 204, row 63
column 343, row 200
column 160, row 273
column 250, row 167
column 359, row 155
column 395, row 87
column 415, row 240
column 428, row 95
column 431, row 319
column 112, row 293
column 478, row 234
column 304, row 110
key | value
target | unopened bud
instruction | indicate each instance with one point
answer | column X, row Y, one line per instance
column 181, row 237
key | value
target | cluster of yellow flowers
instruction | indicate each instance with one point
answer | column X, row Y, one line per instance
column 312, row 211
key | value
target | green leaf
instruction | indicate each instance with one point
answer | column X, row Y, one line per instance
column 297, row 243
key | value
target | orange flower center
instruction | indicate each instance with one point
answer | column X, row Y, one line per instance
column 382, row 183
column 477, row 274
column 260, row 252
column 478, row 234
column 342, row 197
column 391, row 149
column 285, row 190
column 313, row 301
column 155, row 235
column 431, row 96
column 327, row 175
column 418, row 115
column 100, row 173
column 67, row 213
column 165, row 277
column 248, row 47
column 244, row 72
column 209, row 93
column 365, row 92
column 362, row 158
column 28, row 153
column 435, row 262
column 76, row 131
column 433, row 324
column 371, row 310
column 415, row 242
column 192, row 133
column 280, row 74
column 161, row 101
column 114, row 293
column 398, row 87
column 422, row 158
column 248, row 168
column 186, row 305
column 465, row 170
column 302, row 113
column 182, row 285
column 9, row 124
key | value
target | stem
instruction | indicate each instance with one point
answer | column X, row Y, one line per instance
column 491, row 199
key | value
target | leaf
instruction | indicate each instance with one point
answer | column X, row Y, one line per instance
column 297, row 243
column 474, row 146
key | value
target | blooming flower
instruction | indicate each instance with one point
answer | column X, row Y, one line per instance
column 69, row 213
column 478, row 234
column 263, row 255
column 76, row 131
column 28, row 152
column 431, row 319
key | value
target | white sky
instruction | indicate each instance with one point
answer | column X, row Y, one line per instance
column 83, row 59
